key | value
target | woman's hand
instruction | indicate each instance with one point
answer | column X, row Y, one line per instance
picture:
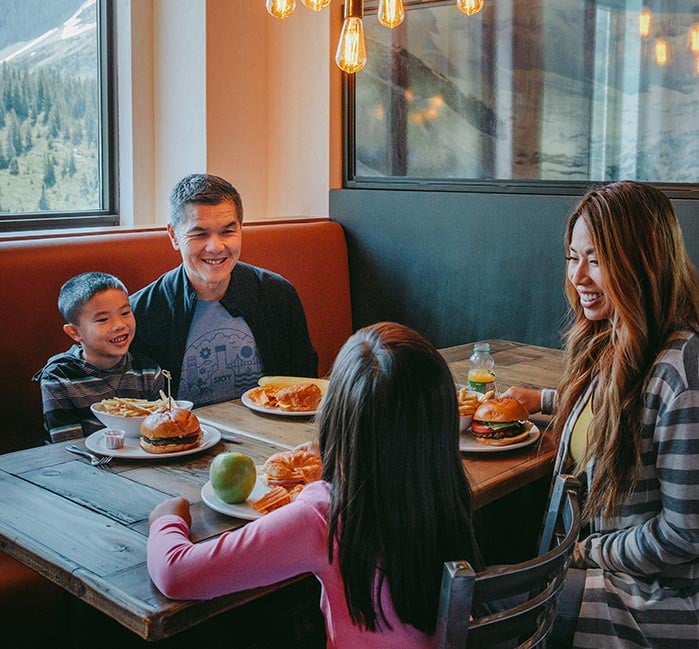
column 528, row 397
column 178, row 506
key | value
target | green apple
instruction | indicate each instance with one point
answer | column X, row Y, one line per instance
column 232, row 476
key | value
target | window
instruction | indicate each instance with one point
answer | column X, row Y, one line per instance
column 528, row 94
column 57, row 140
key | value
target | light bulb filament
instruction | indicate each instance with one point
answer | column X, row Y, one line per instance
column 316, row 5
column 391, row 13
column 280, row 8
column 470, row 7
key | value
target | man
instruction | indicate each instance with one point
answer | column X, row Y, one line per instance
column 218, row 324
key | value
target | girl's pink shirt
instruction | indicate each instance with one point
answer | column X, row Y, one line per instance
column 287, row 542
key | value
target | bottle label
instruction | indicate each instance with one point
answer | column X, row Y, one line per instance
column 481, row 386
column 481, row 380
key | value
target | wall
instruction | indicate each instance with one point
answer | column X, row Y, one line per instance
column 461, row 267
column 223, row 87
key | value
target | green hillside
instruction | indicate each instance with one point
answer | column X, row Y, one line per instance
column 49, row 140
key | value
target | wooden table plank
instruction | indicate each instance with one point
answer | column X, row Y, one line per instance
column 64, row 533
column 99, row 490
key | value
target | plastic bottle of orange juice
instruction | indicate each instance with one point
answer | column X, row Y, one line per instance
column 481, row 377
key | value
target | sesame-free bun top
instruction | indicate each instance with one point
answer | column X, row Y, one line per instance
column 176, row 422
column 500, row 409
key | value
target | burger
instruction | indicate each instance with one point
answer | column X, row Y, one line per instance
column 500, row 422
column 170, row 430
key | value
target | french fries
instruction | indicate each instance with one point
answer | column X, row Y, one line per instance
column 469, row 401
column 128, row 407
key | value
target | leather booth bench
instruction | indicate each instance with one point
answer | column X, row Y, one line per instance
column 311, row 254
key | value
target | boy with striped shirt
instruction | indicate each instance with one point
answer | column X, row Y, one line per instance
column 97, row 316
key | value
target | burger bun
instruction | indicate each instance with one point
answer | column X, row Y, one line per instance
column 500, row 409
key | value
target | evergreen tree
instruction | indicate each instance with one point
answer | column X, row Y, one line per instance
column 54, row 123
column 14, row 167
column 49, row 171
column 43, row 201
column 14, row 133
column 27, row 140
column 10, row 151
column 4, row 162
column 72, row 168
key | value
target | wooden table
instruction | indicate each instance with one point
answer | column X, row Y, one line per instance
column 493, row 474
column 85, row 528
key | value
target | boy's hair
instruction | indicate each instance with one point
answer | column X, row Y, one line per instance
column 78, row 290
column 204, row 189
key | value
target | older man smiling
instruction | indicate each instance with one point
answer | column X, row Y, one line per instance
column 216, row 323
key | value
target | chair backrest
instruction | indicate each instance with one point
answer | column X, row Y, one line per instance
column 515, row 603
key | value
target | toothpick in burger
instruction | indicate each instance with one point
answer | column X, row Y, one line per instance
column 170, row 430
column 500, row 422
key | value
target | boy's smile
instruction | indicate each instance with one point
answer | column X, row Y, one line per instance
column 105, row 329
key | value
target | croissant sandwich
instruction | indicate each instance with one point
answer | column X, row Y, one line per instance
column 291, row 468
column 301, row 397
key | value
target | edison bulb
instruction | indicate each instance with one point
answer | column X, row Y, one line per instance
column 644, row 22
column 351, row 50
column 694, row 38
column 391, row 13
column 281, row 8
column 316, row 5
column 662, row 53
column 470, row 7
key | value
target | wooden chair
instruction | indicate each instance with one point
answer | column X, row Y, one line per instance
column 512, row 605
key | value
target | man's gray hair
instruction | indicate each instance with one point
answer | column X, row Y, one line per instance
column 201, row 189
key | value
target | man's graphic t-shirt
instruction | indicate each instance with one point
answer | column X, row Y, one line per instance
column 220, row 359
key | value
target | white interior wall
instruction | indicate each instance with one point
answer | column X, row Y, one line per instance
column 225, row 88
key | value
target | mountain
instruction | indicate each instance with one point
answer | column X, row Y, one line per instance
column 61, row 33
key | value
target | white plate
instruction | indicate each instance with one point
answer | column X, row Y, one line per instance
column 133, row 450
column 242, row 510
column 247, row 401
column 468, row 444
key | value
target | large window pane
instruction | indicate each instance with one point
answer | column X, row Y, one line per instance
column 54, row 98
column 530, row 91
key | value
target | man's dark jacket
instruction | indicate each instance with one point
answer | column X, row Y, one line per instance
column 269, row 303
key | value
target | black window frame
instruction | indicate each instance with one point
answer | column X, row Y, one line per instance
column 108, row 215
column 499, row 186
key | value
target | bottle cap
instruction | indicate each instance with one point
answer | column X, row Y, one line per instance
column 481, row 347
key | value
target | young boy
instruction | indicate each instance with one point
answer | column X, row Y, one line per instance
column 95, row 309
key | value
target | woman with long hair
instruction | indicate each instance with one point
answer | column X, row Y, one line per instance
column 393, row 504
column 628, row 412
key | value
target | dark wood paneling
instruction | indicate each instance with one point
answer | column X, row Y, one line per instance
column 464, row 266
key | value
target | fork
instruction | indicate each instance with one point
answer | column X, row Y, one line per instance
column 94, row 459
